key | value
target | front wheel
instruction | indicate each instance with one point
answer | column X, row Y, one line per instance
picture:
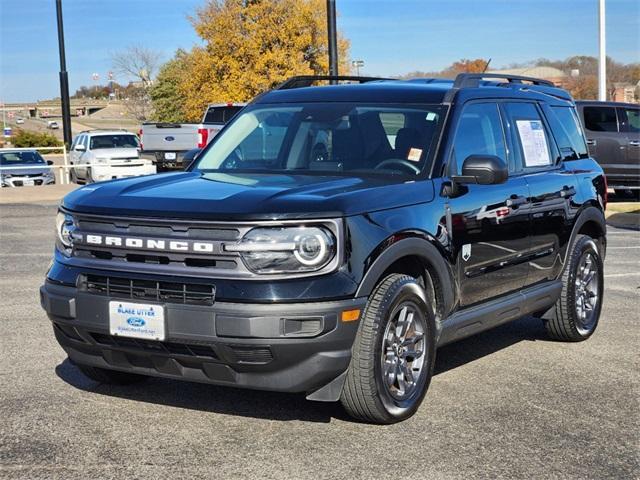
column 393, row 353
column 575, row 315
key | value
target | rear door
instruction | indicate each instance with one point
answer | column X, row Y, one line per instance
column 490, row 223
column 630, row 127
column 606, row 144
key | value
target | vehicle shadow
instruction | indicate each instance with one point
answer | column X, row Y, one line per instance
column 287, row 407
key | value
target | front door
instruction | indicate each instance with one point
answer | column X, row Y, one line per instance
column 630, row 126
column 489, row 223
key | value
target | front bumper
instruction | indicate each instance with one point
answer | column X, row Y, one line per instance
column 111, row 172
column 24, row 180
column 281, row 347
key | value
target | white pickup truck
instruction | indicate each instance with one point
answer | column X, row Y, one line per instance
column 168, row 142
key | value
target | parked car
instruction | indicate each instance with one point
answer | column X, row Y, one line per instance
column 98, row 155
column 331, row 238
column 53, row 125
column 168, row 142
column 19, row 121
column 613, row 137
column 24, row 168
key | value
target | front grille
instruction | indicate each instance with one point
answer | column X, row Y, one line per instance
column 169, row 292
column 170, row 348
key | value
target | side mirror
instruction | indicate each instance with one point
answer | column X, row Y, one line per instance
column 483, row 170
column 49, row 162
column 80, row 148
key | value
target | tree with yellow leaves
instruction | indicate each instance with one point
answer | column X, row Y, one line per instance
column 252, row 45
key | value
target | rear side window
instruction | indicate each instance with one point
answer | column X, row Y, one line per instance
column 568, row 133
column 532, row 148
column 600, row 119
column 479, row 132
column 221, row 114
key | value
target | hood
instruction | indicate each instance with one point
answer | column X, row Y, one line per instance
column 217, row 196
column 116, row 153
column 27, row 170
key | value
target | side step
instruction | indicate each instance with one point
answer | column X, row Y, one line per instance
column 479, row 318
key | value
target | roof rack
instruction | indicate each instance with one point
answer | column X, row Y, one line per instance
column 471, row 80
column 302, row 81
column 105, row 130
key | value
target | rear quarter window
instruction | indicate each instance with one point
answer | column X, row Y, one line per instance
column 567, row 132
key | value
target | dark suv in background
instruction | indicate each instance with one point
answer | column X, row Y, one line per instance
column 613, row 137
column 331, row 238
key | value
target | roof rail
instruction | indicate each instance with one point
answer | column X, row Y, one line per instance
column 471, row 80
column 302, row 81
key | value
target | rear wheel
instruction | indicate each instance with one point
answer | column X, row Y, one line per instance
column 112, row 377
column 575, row 315
column 88, row 178
column 393, row 353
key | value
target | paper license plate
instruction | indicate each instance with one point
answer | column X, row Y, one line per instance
column 28, row 183
column 137, row 320
column 170, row 156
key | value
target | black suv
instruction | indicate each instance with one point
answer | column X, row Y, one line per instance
column 331, row 238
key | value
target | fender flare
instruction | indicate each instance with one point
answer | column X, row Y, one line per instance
column 414, row 246
column 589, row 214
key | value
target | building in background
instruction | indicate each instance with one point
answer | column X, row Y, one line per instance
column 558, row 77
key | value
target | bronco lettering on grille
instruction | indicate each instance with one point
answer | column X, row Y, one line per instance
column 149, row 243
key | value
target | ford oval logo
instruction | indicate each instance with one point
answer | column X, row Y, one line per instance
column 169, row 139
column 136, row 321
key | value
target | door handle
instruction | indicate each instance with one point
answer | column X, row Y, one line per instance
column 634, row 143
column 591, row 142
column 567, row 192
column 516, row 200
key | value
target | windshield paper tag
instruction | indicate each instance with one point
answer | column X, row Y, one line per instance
column 414, row 154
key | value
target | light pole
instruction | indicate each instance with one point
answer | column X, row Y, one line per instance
column 357, row 64
column 64, row 80
column 333, row 37
column 602, row 60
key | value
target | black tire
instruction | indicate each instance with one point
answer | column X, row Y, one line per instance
column 111, row 377
column 72, row 176
column 367, row 394
column 565, row 322
column 88, row 178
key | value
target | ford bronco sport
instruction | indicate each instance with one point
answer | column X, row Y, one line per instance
column 331, row 238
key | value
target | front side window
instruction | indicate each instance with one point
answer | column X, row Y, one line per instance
column 632, row 120
column 113, row 141
column 329, row 138
column 600, row 119
column 479, row 132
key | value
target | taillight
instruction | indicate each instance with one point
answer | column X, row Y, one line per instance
column 140, row 137
column 203, row 136
column 605, row 195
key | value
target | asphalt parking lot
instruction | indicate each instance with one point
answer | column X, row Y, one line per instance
column 506, row 403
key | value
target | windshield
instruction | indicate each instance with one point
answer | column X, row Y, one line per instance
column 330, row 138
column 21, row 158
column 113, row 141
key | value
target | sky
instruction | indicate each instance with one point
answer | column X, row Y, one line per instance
column 391, row 36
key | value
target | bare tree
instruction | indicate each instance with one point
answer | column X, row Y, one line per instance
column 141, row 64
column 138, row 62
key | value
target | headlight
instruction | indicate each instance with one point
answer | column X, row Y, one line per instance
column 64, row 228
column 286, row 249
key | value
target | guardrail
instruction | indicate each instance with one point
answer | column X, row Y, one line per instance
column 63, row 171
